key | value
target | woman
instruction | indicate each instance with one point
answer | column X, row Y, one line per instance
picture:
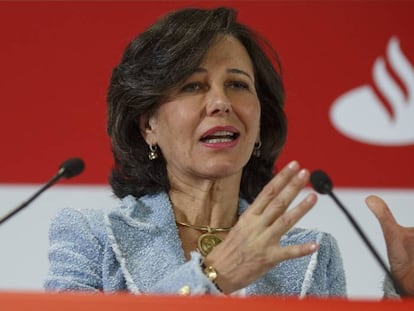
column 195, row 116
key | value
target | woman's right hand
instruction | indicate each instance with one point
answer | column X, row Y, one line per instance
column 253, row 247
column 399, row 241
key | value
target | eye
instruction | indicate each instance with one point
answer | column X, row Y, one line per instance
column 238, row 85
column 192, row 87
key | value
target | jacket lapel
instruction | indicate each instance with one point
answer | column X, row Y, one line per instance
column 145, row 240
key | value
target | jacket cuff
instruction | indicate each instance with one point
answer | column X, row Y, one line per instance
column 188, row 279
column 389, row 289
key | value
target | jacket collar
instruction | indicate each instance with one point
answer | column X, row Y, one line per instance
column 144, row 237
column 145, row 240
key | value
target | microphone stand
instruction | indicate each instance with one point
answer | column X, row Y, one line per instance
column 68, row 169
column 34, row 196
column 322, row 183
column 371, row 247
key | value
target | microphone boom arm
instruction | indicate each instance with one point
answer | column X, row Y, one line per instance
column 27, row 202
column 371, row 247
column 322, row 183
column 68, row 169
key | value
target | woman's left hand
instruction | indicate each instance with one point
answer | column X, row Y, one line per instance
column 399, row 241
column 253, row 246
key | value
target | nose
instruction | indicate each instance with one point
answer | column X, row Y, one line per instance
column 218, row 102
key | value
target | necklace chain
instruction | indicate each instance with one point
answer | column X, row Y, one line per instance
column 208, row 240
column 204, row 228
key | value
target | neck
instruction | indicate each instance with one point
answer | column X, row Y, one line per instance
column 212, row 203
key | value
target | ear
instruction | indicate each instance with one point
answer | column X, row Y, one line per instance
column 258, row 139
column 148, row 128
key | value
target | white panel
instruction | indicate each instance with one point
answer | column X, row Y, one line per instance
column 24, row 238
column 364, row 275
column 24, row 242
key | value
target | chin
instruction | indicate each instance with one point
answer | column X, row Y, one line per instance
column 222, row 171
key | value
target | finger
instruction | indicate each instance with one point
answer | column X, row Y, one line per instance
column 273, row 188
column 381, row 211
column 279, row 204
column 291, row 217
column 296, row 251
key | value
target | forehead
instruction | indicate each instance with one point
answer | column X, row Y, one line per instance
column 228, row 51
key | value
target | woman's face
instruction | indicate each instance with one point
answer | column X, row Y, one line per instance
column 208, row 126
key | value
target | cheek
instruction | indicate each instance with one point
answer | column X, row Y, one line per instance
column 253, row 121
column 176, row 125
column 251, row 112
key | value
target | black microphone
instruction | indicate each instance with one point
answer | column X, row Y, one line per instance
column 67, row 169
column 322, row 183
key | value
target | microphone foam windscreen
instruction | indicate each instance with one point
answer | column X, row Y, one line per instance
column 72, row 167
column 321, row 182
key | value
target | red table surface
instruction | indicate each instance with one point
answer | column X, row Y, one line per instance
column 80, row 301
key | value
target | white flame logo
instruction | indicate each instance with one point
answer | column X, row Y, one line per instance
column 361, row 115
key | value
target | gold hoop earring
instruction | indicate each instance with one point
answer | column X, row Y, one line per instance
column 153, row 153
column 256, row 150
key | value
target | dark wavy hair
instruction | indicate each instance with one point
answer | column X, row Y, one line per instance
column 158, row 60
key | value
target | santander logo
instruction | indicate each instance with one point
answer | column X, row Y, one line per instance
column 361, row 114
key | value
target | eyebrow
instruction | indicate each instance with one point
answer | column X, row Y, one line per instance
column 234, row 70
column 230, row 70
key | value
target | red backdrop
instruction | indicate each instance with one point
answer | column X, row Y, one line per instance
column 56, row 59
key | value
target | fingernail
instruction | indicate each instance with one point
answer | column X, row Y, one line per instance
column 311, row 198
column 293, row 165
column 313, row 247
column 302, row 173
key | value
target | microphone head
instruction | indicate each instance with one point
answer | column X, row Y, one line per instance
column 321, row 182
column 71, row 167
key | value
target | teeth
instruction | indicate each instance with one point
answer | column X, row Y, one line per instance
column 220, row 137
column 223, row 133
column 218, row 140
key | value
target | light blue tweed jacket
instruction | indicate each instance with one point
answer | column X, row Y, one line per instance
column 136, row 248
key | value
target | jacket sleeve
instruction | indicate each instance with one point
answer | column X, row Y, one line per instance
column 335, row 271
column 389, row 289
column 76, row 257
column 74, row 254
column 188, row 279
column 329, row 269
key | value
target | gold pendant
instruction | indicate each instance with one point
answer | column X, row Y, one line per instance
column 206, row 242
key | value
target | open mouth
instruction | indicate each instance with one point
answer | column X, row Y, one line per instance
column 220, row 137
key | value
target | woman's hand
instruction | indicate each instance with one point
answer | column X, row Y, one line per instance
column 399, row 241
column 252, row 247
